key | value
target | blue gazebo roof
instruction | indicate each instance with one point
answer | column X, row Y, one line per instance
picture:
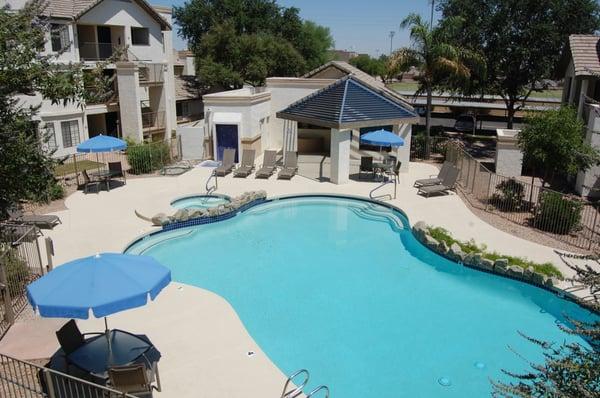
column 348, row 103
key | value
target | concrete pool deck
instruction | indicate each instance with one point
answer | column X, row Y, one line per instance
column 204, row 344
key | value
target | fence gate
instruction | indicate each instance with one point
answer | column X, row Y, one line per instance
column 20, row 264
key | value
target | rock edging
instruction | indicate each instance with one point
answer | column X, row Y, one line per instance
column 500, row 267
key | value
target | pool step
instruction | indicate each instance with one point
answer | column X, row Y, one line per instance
column 376, row 213
column 297, row 391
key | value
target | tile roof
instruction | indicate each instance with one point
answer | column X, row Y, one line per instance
column 348, row 103
column 585, row 50
column 186, row 87
column 74, row 9
column 349, row 69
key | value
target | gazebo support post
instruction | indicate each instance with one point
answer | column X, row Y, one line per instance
column 340, row 156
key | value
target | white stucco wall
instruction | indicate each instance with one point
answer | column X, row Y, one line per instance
column 128, row 14
column 588, row 183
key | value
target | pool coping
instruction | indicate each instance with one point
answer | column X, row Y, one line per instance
column 212, row 195
column 561, row 293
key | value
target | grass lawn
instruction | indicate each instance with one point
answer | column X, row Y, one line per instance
column 551, row 93
column 69, row 168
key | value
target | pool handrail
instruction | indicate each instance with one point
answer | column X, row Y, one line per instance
column 298, row 390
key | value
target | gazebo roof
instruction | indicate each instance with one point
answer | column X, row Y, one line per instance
column 348, row 103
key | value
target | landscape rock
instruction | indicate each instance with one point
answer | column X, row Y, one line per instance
column 431, row 242
column 515, row 271
column 473, row 259
column 538, row 278
column 486, row 264
column 501, row 264
column 160, row 219
column 420, row 229
column 456, row 253
column 442, row 247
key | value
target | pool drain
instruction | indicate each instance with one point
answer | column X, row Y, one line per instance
column 444, row 381
column 479, row 365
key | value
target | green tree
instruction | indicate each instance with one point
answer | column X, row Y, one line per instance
column 244, row 41
column 521, row 40
column 570, row 370
column 26, row 170
column 553, row 141
column 437, row 59
column 373, row 66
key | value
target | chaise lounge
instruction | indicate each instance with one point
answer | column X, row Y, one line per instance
column 227, row 164
column 290, row 166
column 41, row 221
column 434, row 180
column 447, row 185
column 268, row 167
column 247, row 165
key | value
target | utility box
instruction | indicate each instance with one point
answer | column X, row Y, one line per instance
column 509, row 158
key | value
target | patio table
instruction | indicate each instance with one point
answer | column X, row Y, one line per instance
column 105, row 176
column 126, row 348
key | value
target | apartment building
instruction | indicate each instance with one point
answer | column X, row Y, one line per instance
column 89, row 31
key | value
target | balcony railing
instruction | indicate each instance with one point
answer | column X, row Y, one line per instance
column 153, row 120
column 94, row 97
column 152, row 73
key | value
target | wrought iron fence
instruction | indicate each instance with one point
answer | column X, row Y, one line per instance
column 147, row 158
column 20, row 264
column 24, row 379
column 564, row 217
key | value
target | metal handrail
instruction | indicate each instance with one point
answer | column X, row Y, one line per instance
column 386, row 182
column 298, row 390
column 316, row 390
column 211, row 189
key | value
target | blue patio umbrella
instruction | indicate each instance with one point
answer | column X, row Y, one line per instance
column 102, row 143
column 103, row 284
column 382, row 138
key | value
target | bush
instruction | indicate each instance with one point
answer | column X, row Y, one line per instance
column 56, row 191
column 147, row 158
column 511, row 194
column 17, row 273
column 557, row 213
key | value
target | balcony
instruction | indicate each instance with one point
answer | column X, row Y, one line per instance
column 152, row 121
column 151, row 73
column 92, row 51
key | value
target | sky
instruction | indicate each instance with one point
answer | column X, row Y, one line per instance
column 362, row 26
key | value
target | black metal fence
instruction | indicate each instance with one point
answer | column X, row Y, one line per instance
column 24, row 379
column 141, row 159
column 20, row 264
column 564, row 217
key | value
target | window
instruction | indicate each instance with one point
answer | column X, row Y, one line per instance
column 182, row 109
column 70, row 133
column 59, row 37
column 50, row 136
column 140, row 36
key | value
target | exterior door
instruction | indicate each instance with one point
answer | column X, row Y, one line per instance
column 104, row 42
column 111, row 124
column 227, row 137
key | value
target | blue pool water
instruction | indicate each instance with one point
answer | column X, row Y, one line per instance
column 199, row 202
column 342, row 288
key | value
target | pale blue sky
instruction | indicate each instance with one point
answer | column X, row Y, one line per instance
column 362, row 26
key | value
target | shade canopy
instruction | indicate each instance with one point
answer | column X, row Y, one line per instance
column 105, row 283
column 382, row 138
column 102, row 143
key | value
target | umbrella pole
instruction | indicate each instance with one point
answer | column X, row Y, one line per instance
column 107, row 333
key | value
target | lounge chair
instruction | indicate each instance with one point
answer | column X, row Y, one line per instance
column 290, row 166
column 268, row 167
column 445, row 187
column 247, row 165
column 41, row 221
column 131, row 379
column 88, row 182
column 366, row 166
column 433, row 179
column 228, row 162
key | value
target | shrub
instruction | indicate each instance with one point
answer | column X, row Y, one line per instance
column 557, row 213
column 17, row 273
column 146, row 158
column 56, row 191
column 510, row 195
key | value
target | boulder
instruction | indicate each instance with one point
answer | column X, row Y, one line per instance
column 212, row 212
column 486, row 264
column 442, row 247
column 160, row 219
column 473, row 259
column 420, row 230
column 538, row 278
column 456, row 253
column 501, row 264
column 430, row 242
column 515, row 271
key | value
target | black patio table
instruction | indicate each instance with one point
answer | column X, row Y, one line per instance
column 126, row 348
column 105, row 176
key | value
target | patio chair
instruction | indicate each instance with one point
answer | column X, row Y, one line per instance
column 366, row 166
column 131, row 379
column 433, row 179
column 70, row 337
column 88, row 182
column 268, row 167
column 41, row 221
column 227, row 164
column 290, row 166
column 247, row 165
column 116, row 170
column 447, row 185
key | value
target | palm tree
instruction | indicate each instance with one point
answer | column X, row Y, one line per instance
column 441, row 63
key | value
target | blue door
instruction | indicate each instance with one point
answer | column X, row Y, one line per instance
column 227, row 137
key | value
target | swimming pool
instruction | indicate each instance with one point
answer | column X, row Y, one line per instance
column 342, row 288
column 199, row 201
